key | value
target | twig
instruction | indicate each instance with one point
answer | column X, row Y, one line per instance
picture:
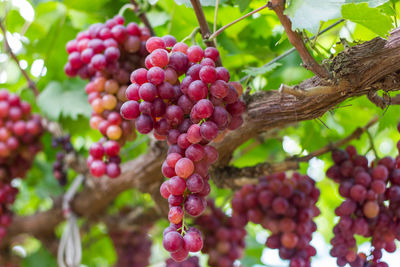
column 220, row 30
column 291, row 50
column 142, row 17
column 31, row 83
column 191, row 35
column 314, row 91
column 372, row 145
column 383, row 102
column 354, row 135
column 204, row 28
column 215, row 16
column 295, row 39
column 248, row 175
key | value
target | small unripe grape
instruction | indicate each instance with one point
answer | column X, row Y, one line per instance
column 114, row 132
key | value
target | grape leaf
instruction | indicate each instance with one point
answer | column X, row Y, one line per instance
column 308, row 14
column 243, row 4
column 68, row 99
column 41, row 257
column 368, row 17
column 261, row 70
column 371, row 3
column 158, row 18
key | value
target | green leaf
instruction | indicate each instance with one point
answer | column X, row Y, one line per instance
column 368, row 17
column 371, row 3
column 308, row 14
column 48, row 13
column 158, row 18
column 261, row 70
column 243, row 4
column 68, row 99
column 79, row 18
column 40, row 258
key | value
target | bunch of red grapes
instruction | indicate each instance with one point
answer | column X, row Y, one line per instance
column 286, row 207
column 188, row 113
column 189, row 262
column 106, row 54
column 20, row 133
column 224, row 237
column 133, row 248
column 371, row 208
column 59, row 167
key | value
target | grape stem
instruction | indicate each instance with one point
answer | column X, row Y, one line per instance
column 372, row 145
column 191, row 35
column 124, row 8
column 297, row 41
column 142, row 16
column 204, row 28
column 215, row 16
column 220, row 30
column 31, row 83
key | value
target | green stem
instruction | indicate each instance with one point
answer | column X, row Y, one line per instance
column 192, row 35
column 215, row 16
column 124, row 8
column 372, row 145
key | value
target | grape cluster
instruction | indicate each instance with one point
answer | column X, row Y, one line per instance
column 20, row 133
column 109, row 48
column 106, row 54
column 104, row 158
column 7, row 198
column 188, row 113
column 59, row 168
column 189, row 262
column 224, row 237
column 133, row 248
column 371, row 207
column 286, row 207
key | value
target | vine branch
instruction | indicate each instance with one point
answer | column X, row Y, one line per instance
column 230, row 176
column 313, row 91
column 220, row 30
column 204, row 28
column 291, row 50
column 383, row 102
column 201, row 18
column 297, row 41
column 142, row 16
column 31, row 83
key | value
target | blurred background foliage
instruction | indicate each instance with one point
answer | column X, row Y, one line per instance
column 39, row 29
